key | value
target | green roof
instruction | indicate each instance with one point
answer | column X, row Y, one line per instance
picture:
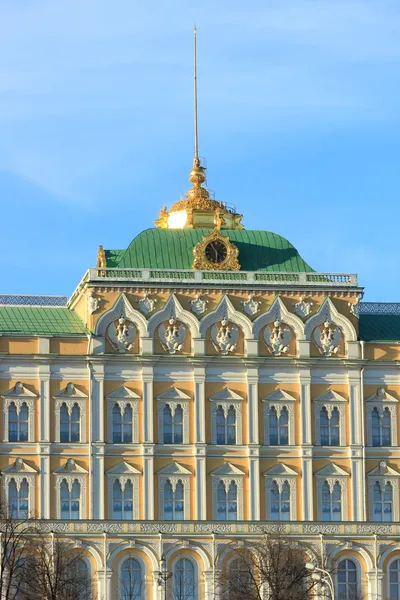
column 379, row 328
column 173, row 249
column 39, row 320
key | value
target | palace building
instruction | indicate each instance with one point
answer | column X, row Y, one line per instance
column 202, row 387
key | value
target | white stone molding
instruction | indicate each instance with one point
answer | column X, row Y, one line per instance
column 93, row 303
column 227, row 398
column 278, row 312
column 281, row 474
column 198, row 306
column 172, row 335
column 122, row 308
column 174, row 473
column 124, row 473
column 124, row 397
column 330, row 400
column 224, row 337
column 383, row 474
column 19, row 395
column 250, row 306
column 228, row 473
column 277, row 338
column 303, row 308
column 173, row 308
column 70, row 396
column 147, row 304
column 173, row 397
column 381, row 400
column 329, row 313
column 279, row 399
column 71, row 472
column 226, row 310
column 18, row 471
column 332, row 474
column 144, row 577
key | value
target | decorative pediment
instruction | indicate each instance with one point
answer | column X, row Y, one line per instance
column 19, row 466
column 381, row 395
column 174, row 468
column 173, row 309
column 123, row 393
column 330, row 396
column 278, row 312
column 70, row 467
column 328, row 313
column 225, row 395
column 278, row 396
column 226, row 311
column 280, row 470
column 173, row 393
column 332, row 470
column 227, row 470
column 122, row 309
column 18, row 391
column 71, row 392
column 383, row 470
column 123, row 468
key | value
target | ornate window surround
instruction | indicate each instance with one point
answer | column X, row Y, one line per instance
column 174, row 473
column 123, row 472
column 19, row 471
column 355, row 560
column 227, row 398
column 193, row 561
column 173, row 397
column 71, row 472
column 70, row 395
column 382, row 400
column 281, row 474
column 123, row 396
column 228, row 473
column 280, row 399
column 142, row 564
column 332, row 474
column 383, row 474
column 330, row 400
column 19, row 394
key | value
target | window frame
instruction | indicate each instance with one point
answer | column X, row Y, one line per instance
column 281, row 474
column 226, row 474
column 139, row 560
column 174, row 473
column 333, row 474
column 279, row 399
column 381, row 400
column 330, row 400
column 227, row 398
column 384, row 474
column 123, row 472
column 71, row 472
column 70, row 396
column 123, row 396
column 193, row 561
column 19, row 395
column 173, row 397
column 19, row 471
column 358, row 571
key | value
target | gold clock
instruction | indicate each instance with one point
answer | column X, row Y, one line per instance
column 216, row 252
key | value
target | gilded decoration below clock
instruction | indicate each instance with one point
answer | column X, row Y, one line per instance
column 216, row 252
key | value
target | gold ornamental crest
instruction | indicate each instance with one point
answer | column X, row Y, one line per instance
column 216, row 252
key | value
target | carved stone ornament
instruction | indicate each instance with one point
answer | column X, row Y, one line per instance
column 93, row 303
column 224, row 337
column 172, row 336
column 147, row 304
column 251, row 306
column 355, row 308
column 121, row 334
column 302, row 308
column 327, row 338
column 216, row 252
column 198, row 305
column 277, row 337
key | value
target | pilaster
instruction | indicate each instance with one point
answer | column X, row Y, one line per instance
column 98, row 480
column 201, row 483
column 199, row 375
column 45, row 409
column 252, row 404
column 148, row 481
column 254, row 483
column 45, row 483
column 148, row 378
column 97, row 402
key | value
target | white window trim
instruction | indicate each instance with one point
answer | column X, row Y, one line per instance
column 226, row 480
column 280, row 480
column 134, row 404
column 70, row 472
column 19, row 395
column 173, row 397
column 331, row 480
column 395, row 500
column 227, row 398
column 139, row 559
column 354, row 559
column 342, row 420
column 70, row 396
column 389, row 564
column 123, row 480
column 19, row 474
column 195, row 564
column 174, row 479
column 382, row 400
column 279, row 400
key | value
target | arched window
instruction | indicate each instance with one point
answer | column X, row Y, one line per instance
column 227, row 502
column 18, row 499
column 280, row 502
column 81, row 580
column 18, row 423
column 331, row 502
column 185, row 584
column 70, row 421
column 174, row 501
column 241, row 579
column 383, row 501
column 70, row 500
column 122, row 424
column 226, row 426
column 329, row 427
column 347, row 580
column 173, row 425
column 381, row 427
column 132, row 581
column 122, row 500
column 394, row 580
column 278, row 427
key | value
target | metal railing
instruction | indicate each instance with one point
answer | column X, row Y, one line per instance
column 28, row 300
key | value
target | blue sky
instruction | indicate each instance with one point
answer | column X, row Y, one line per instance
column 298, row 115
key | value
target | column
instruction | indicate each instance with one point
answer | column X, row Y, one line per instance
column 199, row 404
column 96, row 402
column 148, row 441
column 253, row 442
column 200, row 482
column 45, row 483
column 306, row 443
column 356, row 424
column 148, row 484
column 147, row 378
column 252, row 404
column 44, row 438
column 254, row 484
column 96, row 440
column 375, row 584
column 98, row 481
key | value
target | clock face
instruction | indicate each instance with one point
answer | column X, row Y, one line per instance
column 216, row 252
